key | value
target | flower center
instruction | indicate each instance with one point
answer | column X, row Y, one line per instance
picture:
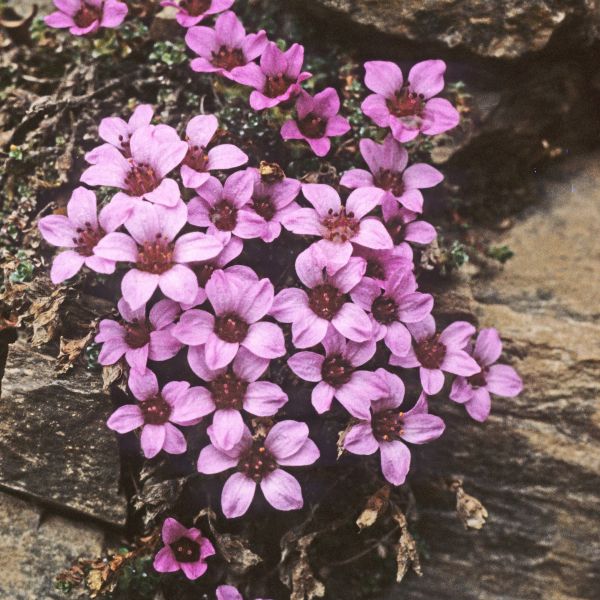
column 125, row 147
column 86, row 15
column 325, row 300
column 390, row 181
column 228, row 391
column 256, row 462
column 312, row 126
column 155, row 257
column 228, row 58
column 137, row 334
column 276, row 86
column 231, row 328
column 186, row 550
column 375, row 269
column 341, row 226
column 204, row 273
column 396, row 228
column 430, row 352
column 87, row 239
column 156, row 410
column 264, row 207
column 196, row 158
column 336, row 370
column 478, row 380
column 141, row 179
column 224, row 216
column 406, row 103
column 388, row 425
column 195, row 8
column 385, row 310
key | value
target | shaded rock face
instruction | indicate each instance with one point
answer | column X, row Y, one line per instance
column 504, row 29
column 535, row 464
column 54, row 444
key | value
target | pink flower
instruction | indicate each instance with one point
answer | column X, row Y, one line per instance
column 397, row 303
column 337, row 376
column 160, row 260
column 228, row 592
column 155, row 151
column 387, row 427
column 117, row 132
column 259, row 462
column 317, row 121
column 139, row 338
column 387, row 163
column 239, row 304
column 340, row 225
column 81, row 230
column 278, row 77
column 435, row 352
column 474, row 391
column 185, row 549
column 227, row 207
column 226, row 47
column 83, row 17
column 232, row 389
column 325, row 303
column 407, row 108
column 198, row 161
column 191, row 12
column 382, row 264
column 157, row 411
column 272, row 201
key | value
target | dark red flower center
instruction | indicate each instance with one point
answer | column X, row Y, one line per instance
column 257, row 462
column 430, row 352
column 406, row 103
column 391, row 181
column 228, row 58
column 231, row 328
column 87, row 239
column 264, row 207
column 141, row 179
column 336, row 370
column 388, row 425
column 397, row 229
column 312, row 126
column 224, row 216
column 137, row 334
column 125, row 147
column 228, row 391
column 375, row 269
column 478, row 380
column 385, row 310
column 195, row 8
column 86, row 15
column 204, row 273
column 196, row 158
column 156, row 410
column 155, row 257
column 185, row 550
column 325, row 300
column 341, row 226
column 276, row 85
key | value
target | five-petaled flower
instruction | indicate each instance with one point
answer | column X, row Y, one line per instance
column 185, row 549
column 408, row 108
column 387, row 163
column 191, row 12
column 86, row 16
column 259, row 461
column 317, row 120
column 387, row 427
column 474, row 391
column 156, row 412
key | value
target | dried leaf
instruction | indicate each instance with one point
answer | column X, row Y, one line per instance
column 294, row 568
column 376, row 505
column 270, row 172
column 471, row 511
column 46, row 317
column 407, row 554
column 70, row 350
column 113, row 374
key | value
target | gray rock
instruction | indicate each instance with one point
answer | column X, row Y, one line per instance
column 54, row 443
column 34, row 547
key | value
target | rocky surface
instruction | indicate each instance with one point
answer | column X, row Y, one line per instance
column 36, row 545
column 535, row 464
column 505, row 29
column 54, row 444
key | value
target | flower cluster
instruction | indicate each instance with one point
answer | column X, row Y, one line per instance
column 186, row 291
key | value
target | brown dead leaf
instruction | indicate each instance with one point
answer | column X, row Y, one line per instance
column 471, row 511
column 114, row 375
column 294, row 568
column 270, row 172
column 376, row 505
column 407, row 554
column 46, row 317
column 70, row 350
